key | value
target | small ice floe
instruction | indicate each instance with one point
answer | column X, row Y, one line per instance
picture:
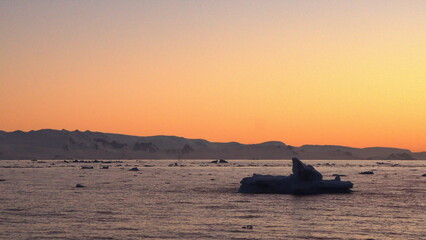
column 78, row 185
column 340, row 175
column 304, row 180
column 2, row 180
column 104, row 167
column 173, row 164
column 329, row 164
column 424, row 175
column 134, row 169
column 367, row 172
column 219, row 161
column 248, row 227
column 86, row 167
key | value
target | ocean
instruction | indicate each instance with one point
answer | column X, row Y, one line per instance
column 197, row 199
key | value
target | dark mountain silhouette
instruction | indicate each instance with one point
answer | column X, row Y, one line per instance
column 63, row 144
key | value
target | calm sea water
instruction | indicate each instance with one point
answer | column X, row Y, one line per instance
column 199, row 200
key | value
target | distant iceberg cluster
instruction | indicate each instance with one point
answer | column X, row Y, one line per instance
column 304, row 180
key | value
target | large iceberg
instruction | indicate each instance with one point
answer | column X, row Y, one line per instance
column 304, row 180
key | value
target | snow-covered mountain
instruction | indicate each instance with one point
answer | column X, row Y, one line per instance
column 63, row 144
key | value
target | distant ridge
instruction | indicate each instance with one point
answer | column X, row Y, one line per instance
column 64, row 144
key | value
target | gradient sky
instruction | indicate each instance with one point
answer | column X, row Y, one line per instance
column 303, row 72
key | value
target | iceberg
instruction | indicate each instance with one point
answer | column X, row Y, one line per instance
column 305, row 179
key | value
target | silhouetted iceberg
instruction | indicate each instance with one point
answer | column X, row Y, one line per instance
column 367, row 172
column 304, row 180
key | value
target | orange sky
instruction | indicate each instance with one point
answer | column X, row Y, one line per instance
column 303, row 72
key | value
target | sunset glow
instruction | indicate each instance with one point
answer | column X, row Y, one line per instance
column 347, row 73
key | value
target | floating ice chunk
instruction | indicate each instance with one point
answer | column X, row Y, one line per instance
column 248, row 227
column 367, row 172
column 219, row 161
column 304, row 180
column 340, row 175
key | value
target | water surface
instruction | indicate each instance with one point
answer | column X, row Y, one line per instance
column 198, row 200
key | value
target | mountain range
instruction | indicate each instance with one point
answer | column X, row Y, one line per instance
column 64, row 144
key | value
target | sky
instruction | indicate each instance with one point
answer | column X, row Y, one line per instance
column 334, row 72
